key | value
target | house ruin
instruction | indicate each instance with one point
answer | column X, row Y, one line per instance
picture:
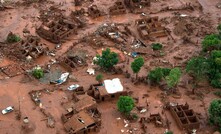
column 186, row 118
column 136, row 5
column 150, row 28
column 31, row 48
column 57, row 31
column 117, row 8
column 83, row 122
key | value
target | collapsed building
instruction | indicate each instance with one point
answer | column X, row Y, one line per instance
column 110, row 89
column 58, row 30
column 94, row 12
column 83, row 122
column 77, row 104
column 72, row 59
column 150, row 28
column 30, row 48
column 117, row 8
column 136, row 5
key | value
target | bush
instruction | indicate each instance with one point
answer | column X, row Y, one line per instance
column 38, row 73
column 215, row 112
column 12, row 38
column 125, row 104
column 169, row 132
column 156, row 46
column 99, row 77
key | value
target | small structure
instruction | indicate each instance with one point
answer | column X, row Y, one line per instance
column 94, row 12
column 134, row 5
column 185, row 117
column 150, row 28
column 82, row 123
column 155, row 118
column 110, row 89
column 117, row 8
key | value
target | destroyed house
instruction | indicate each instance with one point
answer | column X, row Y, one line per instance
column 82, row 123
column 110, row 89
column 117, row 8
column 136, row 4
column 79, row 103
column 57, row 31
column 150, row 28
column 94, row 12
column 72, row 60
column 29, row 48
column 186, row 118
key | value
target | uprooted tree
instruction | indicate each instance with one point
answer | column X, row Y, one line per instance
column 215, row 113
column 137, row 64
column 125, row 104
column 107, row 60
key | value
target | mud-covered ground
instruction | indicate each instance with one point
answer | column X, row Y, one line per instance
column 182, row 43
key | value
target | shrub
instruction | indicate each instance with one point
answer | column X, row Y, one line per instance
column 99, row 77
column 156, row 46
column 12, row 38
column 169, row 132
column 38, row 73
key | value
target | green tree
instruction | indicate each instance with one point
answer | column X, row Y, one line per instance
column 215, row 68
column 137, row 64
column 173, row 78
column 211, row 42
column 125, row 104
column 156, row 75
column 99, row 78
column 38, row 73
column 198, row 68
column 215, row 113
column 107, row 60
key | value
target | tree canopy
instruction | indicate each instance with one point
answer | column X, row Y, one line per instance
column 156, row 75
column 173, row 78
column 107, row 60
column 198, row 68
column 215, row 113
column 211, row 42
column 125, row 104
column 137, row 64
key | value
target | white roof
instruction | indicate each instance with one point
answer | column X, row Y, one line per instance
column 113, row 86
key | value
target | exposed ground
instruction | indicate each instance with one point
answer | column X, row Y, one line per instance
column 19, row 16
